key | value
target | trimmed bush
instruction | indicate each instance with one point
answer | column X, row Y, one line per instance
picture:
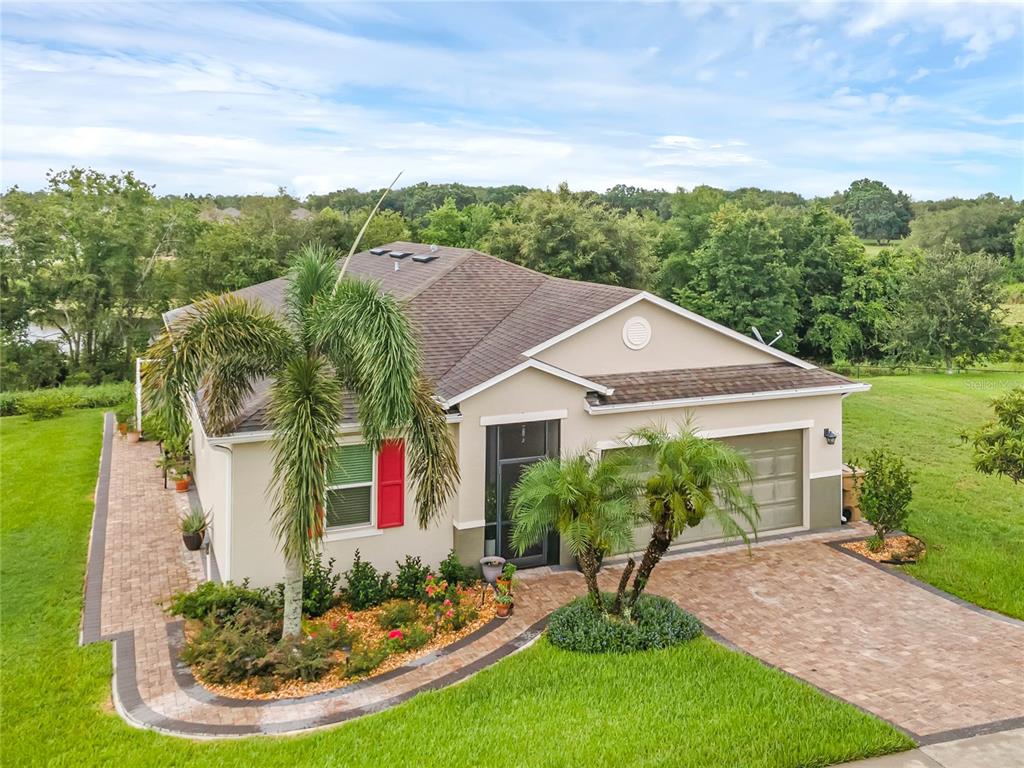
column 47, row 404
column 364, row 587
column 411, row 578
column 398, row 614
column 454, row 572
column 319, row 587
column 219, row 601
column 655, row 623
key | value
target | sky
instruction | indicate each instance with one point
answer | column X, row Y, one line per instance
column 244, row 98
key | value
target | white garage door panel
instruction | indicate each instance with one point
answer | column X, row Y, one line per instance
column 777, row 464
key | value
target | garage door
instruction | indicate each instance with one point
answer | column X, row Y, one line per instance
column 776, row 459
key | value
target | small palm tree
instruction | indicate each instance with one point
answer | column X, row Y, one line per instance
column 591, row 502
column 687, row 478
column 337, row 336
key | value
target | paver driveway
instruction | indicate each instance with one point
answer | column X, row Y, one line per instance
column 920, row 660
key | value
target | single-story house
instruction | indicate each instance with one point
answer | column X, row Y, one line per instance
column 529, row 366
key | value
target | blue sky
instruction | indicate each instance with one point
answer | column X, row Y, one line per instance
column 210, row 97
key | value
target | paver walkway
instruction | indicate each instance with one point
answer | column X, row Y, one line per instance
column 993, row 750
column 920, row 660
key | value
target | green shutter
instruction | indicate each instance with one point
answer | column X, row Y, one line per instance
column 351, row 464
column 348, row 506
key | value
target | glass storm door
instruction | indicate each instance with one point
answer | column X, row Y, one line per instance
column 511, row 448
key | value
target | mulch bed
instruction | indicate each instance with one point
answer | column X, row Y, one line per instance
column 898, row 550
column 366, row 623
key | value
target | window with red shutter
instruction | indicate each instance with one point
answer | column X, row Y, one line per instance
column 391, row 484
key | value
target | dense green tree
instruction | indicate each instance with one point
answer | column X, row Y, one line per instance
column 572, row 236
column 949, row 307
column 999, row 444
column 467, row 228
column 741, row 276
column 692, row 214
column 988, row 224
column 339, row 229
column 626, row 198
column 876, row 212
column 339, row 335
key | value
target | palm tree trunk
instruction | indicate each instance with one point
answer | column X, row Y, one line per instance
column 656, row 547
column 620, row 592
column 589, row 564
column 292, row 597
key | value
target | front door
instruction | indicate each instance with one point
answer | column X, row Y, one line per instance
column 511, row 448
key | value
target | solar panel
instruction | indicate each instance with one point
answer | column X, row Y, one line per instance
column 400, row 254
column 379, row 251
column 424, row 258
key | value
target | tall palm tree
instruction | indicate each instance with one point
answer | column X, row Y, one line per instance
column 590, row 501
column 687, row 478
column 338, row 336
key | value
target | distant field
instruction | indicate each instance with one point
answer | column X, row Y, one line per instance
column 873, row 248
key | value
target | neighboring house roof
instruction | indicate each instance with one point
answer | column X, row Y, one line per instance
column 661, row 389
column 479, row 318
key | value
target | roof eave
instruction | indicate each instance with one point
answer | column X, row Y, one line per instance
column 693, row 402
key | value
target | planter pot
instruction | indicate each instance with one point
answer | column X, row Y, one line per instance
column 193, row 541
column 503, row 609
column 122, row 427
column 133, row 437
column 492, row 568
column 182, row 484
column 504, row 584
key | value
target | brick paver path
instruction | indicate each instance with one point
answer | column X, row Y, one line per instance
column 924, row 662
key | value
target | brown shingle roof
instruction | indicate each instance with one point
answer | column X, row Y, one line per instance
column 475, row 314
column 654, row 386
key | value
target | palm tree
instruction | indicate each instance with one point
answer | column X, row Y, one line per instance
column 591, row 502
column 338, row 336
column 687, row 478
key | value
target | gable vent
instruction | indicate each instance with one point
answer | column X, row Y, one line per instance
column 636, row 333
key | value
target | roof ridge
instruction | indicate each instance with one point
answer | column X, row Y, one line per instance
column 462, row 259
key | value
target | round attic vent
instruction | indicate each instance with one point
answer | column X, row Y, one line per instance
column 636, row 333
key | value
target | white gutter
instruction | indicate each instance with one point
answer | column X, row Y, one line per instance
column 654, row 405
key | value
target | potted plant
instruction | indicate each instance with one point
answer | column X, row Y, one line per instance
column 503, row 600
column 193, row 527
column 491, row 567
column 182, row 476
column 504, row 581
column 133, row 430
column 122, row 414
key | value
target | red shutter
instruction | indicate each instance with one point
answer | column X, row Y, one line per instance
column 391, row 484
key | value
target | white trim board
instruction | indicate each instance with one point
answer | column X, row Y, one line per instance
column 516, row 418
column 693, row 402
column 465, row 525
column 676, row 309
column 826, row 473
column 752, row 429
column 590, row 386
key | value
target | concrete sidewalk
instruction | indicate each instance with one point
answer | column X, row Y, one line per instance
column 993, row 750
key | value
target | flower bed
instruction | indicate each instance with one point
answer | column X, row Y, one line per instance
column 233, row 633
column 895, row 549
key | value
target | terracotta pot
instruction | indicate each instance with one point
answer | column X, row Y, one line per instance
column 122, row 427
column 505, row 585
column 133, row 437
column 504, row 609
column 193, row 541
column 182, row 483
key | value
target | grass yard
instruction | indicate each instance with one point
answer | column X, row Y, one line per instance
column 700, row 705
column 973, row 524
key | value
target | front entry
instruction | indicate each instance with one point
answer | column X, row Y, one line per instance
column 511, row 448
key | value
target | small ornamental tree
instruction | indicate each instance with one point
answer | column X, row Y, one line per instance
column 885, row 493
column 999, row 444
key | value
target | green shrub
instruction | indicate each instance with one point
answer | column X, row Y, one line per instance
column 234, row 651
column 365, row 658
column 47, row 404
column 458, row 615
column 99, row 396
column 655, row 623
column 319, row 587
column 885, row 491
column 307, row 659
column 408, row 638
column 398, row 614
column 411, row 578
column 454, row 572
column 8, row 403
column 219, row 601
column 364, row 587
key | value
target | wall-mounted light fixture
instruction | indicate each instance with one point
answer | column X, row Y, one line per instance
column 830, row 436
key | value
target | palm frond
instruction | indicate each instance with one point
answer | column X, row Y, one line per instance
column 310, row 279
column 305, row 409
column 433, row 462
column 219, row 331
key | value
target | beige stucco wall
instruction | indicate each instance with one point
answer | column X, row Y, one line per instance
column 254, row 550
column 676, row 342
column 211, row 477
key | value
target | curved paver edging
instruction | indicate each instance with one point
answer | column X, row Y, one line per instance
column 899, row 573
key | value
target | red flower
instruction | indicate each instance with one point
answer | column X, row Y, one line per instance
column 350, row 616
column 447, row 601
column 334, row 625
column 395, row 634
column 449, row 613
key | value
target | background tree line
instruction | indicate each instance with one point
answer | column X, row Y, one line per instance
column 88, row 263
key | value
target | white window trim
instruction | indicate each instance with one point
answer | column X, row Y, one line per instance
column 357, row 530
column 516, row 418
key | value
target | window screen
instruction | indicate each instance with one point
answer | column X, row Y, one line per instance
column 349, row 486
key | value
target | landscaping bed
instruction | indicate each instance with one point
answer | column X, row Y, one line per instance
column 895, row 550
column 233, row 634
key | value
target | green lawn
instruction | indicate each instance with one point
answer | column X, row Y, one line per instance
column 973, row 524
column 699, row 705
